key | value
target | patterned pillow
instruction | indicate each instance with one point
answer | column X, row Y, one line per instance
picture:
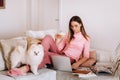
column 8, row 46
column 117, row 54
column 91, row 61
column 2, row 66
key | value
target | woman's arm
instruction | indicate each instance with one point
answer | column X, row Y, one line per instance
column 79, row 62
column 61, row 43
column 85, row 55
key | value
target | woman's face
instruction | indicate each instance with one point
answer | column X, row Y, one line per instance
column 75, row 26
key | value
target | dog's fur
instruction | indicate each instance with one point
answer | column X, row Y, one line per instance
column 33, row 56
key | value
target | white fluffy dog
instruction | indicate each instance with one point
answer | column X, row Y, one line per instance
column 33, row 56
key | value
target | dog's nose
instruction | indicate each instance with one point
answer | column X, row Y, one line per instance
column 36, row 53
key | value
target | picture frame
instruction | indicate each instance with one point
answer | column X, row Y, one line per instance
column 2, row 4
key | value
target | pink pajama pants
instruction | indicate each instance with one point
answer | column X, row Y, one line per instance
column 50, row 48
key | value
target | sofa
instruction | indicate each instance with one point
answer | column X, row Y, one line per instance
column 44, row 74
column 51, row 74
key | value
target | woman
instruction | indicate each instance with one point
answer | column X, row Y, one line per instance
column 75, row 45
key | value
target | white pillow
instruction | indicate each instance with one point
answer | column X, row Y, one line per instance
column 35, row 34
column 41, row 34
column 103, row 56
column 51, row 32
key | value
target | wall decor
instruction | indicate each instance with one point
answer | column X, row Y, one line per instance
column 2, row 4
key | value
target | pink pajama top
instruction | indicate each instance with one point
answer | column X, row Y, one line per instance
column 76, row 47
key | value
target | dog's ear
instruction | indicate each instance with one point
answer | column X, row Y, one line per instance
column 36, row 41
column 40, row 41
column 33, row 40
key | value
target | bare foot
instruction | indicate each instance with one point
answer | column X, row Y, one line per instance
column 25, row 68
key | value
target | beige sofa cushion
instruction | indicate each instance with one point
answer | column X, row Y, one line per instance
column 5, row 77
column 44, row 74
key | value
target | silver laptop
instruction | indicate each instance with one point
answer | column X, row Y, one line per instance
column 61, row 63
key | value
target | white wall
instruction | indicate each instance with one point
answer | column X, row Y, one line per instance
column 13, row 18
column 18, row 16
column 48, row 14
column 32, row 14
column 101, row 19
column 22, row 15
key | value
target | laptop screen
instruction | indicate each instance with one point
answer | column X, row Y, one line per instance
column 61, row 62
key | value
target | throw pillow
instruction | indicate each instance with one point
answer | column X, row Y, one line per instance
column 116, row 54
column 8, row 46
column 2, row 64
column 41, row 34
column 91, row 61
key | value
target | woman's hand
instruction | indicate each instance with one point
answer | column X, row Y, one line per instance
column 75, row 65
column 61, row 53
column 79, row 62
column 58, row 38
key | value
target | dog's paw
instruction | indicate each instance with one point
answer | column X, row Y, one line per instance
column 35, row 73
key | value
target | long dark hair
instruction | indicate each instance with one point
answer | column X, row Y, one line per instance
column 82, row 29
